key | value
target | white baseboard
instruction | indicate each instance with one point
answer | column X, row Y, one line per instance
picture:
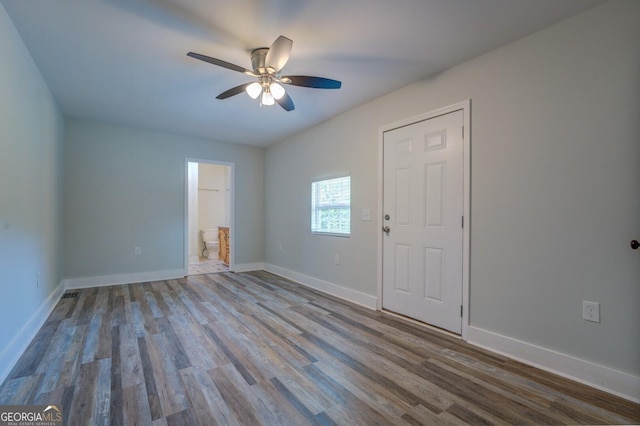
column 194, row 259
column 324, row 286
column 595, row 375
column 246, row 267
column 136, row 277
column 14, row 350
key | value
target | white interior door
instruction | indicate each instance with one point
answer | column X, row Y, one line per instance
column 423, row 208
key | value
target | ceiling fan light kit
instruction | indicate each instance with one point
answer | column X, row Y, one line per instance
column 277, row 90
column 254, row 90
column 267, row 63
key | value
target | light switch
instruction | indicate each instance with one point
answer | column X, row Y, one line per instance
column 366, row 214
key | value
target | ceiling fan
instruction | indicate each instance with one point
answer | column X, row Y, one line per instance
column 267, row 63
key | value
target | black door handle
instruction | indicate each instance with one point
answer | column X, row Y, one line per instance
column 635, row 244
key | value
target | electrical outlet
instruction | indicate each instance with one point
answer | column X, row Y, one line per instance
column 280, row 247
column 38, row 280
column 336, row 259
column 590, row 311
column 137, row 250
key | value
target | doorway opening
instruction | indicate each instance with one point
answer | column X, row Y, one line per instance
column 209, row 217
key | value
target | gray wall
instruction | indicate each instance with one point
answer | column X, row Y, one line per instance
column 31, row 140
column 125, row 187
column 555, row 186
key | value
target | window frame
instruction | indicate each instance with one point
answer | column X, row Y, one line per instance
column 314, row 206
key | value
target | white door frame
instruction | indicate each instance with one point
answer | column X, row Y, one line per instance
column 465, row 107
column 232, row 216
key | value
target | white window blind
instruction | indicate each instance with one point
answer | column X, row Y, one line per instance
column 331, row 206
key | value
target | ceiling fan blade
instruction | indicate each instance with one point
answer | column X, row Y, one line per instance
column 220, row 63
column 286, row 102
column 278, row 53
column 233, row 91
column 313, row 82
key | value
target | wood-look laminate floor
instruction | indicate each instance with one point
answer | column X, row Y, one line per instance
column 254, row 348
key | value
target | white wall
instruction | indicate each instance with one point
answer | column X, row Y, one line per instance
column 555, row 190
column 125, row 187
column 193, row 234
column 31, row 146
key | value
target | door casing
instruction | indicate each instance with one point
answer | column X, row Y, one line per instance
column 465, row 107
column 232, row 190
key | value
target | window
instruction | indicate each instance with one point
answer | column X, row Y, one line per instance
column 331, row 206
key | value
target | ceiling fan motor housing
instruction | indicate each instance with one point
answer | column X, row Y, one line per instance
column 258, row 59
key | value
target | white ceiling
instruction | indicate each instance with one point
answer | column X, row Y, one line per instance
column 124, row 61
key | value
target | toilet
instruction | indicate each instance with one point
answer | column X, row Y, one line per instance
column 210, row 240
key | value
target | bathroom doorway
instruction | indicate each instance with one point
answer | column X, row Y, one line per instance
column 209, row 213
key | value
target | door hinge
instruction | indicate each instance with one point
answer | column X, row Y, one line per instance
column 462, row 132
column 460, row 311
column 462, row 221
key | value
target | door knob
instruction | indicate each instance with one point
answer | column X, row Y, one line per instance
column 635, row 244
column 386, row 229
